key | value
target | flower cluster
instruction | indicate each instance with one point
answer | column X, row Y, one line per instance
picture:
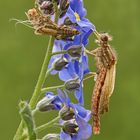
column 73, row 117
column 66, row 57
column 70, row 62
column 73, row 65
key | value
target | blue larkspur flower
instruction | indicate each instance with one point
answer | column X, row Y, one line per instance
column 73, row 71
column 82, row 116
column 75, row 68
column 55, row 100
column 50, row 102
column 76, row 13
column 59, row 45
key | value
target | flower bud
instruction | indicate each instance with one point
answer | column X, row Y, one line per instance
column 46, row 6
column 51, row 137
column 66, row 113
column 72, row 84
column 75, row 51
column 60, row 63
column 67, row 21
column 45, row 104
column 64, row 4
column 70, row 127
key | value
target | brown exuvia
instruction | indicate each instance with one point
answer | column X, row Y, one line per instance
column 106, row 70
column 43, row 25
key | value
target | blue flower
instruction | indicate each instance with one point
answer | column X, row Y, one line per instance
column 84, row 131
column 73, row 71
column 81, row 40
column 78, row 109
column 58, row 46
column 82, row 116
column 76, row 68
column 76, row 13
column 49, row 102
column 56, row 102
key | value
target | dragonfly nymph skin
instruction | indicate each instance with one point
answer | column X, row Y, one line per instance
column 43, row 25
column 106, row 70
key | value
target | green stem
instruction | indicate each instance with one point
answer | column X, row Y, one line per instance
column 44, row 126
column 60, row 52
column 92, row 74
column 39, row 84
column 41, row 79
column 42, row 75
column 51, row 88
column 34, row 111
column 48, row 72
column 56, row 12
column 19, row 132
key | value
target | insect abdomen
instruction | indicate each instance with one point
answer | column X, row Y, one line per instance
column 96, row 100
column 66, row 31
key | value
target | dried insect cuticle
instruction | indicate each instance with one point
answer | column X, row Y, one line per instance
column 43, row 25
column 104, row 85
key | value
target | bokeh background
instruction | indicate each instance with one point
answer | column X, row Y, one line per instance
column 21, row 56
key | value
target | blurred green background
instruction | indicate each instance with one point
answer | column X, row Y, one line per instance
column 22, row 53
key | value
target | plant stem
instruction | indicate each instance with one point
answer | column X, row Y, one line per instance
column 39, row 84
column 19, row 132
column 42, row 75
column 41, row 79
column 92, row 74
column 51, row 88
column 60, row 52
column 48, row 72
column 44, row 126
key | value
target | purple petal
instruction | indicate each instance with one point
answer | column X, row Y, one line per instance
column 84, row 132
column 82, row 113
column 86, row 36
column 85, row 24
column 64, row 75
column 70, row 14
column 64, row 136
column 79, row 95
column 85, row 64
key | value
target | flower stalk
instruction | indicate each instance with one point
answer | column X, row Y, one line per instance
column 42, row 76
column 92, row 74
column 49, row 124
column 67, row 56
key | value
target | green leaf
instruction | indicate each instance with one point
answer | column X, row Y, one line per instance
column 26, row 115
